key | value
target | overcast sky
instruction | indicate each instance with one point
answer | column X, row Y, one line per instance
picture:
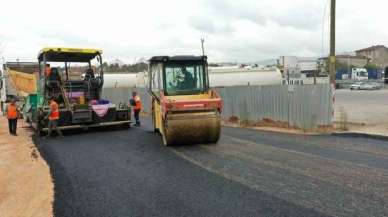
column 234, row 30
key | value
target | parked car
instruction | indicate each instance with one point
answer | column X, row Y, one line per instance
column 376, row 86
column 365, row 86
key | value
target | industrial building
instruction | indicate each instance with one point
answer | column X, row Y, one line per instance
column 377, row 55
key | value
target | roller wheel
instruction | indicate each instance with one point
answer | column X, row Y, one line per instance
column 215, row 135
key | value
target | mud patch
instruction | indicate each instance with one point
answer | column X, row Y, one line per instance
column 272, row 125
column 34, row 154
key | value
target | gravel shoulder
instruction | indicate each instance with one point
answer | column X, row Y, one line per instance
column 25, row 180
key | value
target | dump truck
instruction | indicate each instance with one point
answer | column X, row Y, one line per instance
column 74, row 81
column 184, row 109
column 18, row 80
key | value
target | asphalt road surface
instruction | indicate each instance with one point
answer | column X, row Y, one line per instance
column 248, row 173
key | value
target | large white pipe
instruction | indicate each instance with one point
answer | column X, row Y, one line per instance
column 120, row 80
column 234, row 76
column 218, row 77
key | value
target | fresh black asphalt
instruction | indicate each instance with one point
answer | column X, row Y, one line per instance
column 128, row 172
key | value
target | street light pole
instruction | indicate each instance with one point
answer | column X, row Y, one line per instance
column 332, row 58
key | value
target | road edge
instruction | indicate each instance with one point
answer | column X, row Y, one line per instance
column 361, row 135
column 280, row 130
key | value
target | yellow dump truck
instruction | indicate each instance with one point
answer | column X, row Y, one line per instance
column 18, row 80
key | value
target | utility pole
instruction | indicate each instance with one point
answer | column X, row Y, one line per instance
column 203, row 50
column 332, row 58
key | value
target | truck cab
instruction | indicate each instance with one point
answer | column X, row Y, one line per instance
column 359, row 74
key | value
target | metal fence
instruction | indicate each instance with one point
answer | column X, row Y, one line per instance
column 307, row 106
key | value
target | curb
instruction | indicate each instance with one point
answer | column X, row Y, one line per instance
column 274, row 130
column 361, row 135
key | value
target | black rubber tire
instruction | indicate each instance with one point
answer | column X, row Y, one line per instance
column 38, row 130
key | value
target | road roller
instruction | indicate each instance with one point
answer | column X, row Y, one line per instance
column 184, row 109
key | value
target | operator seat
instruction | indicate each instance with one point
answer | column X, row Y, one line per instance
column 53, row 84
column 93, row 85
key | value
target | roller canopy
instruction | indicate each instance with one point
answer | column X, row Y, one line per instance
column 68, row 54
column 178, row 59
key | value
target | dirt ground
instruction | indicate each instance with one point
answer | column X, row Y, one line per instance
column 25, row 180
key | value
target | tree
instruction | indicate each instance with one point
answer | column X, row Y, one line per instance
column 116, row 68
column 371, row 66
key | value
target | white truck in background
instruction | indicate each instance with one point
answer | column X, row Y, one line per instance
column 359, row 74
column 11, row 72
column 7, row 91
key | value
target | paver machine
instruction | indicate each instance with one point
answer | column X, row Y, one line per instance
column 74, row 78
column 184, row 109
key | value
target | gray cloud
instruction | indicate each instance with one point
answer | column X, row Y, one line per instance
column 299, row 20
column 306, row 15
column 208, row 25
column 202, row 24
column 232, row 10
column 243, row 30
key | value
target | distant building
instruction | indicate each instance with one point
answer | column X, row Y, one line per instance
column 349, row 61
column 377, row 55
column 295, row 67
column 357, row 61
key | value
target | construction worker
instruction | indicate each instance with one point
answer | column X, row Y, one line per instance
column 12, row 116
column 53, row 117
column 186, row 80
column 136, row 105
column 47, row 70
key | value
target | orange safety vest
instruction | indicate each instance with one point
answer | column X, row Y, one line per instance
column 12, row 112
column 54, row 111
column 137, row 103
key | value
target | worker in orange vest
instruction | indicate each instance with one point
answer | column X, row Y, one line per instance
column 136, row 105
column 53, row 117
column 12, row 116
